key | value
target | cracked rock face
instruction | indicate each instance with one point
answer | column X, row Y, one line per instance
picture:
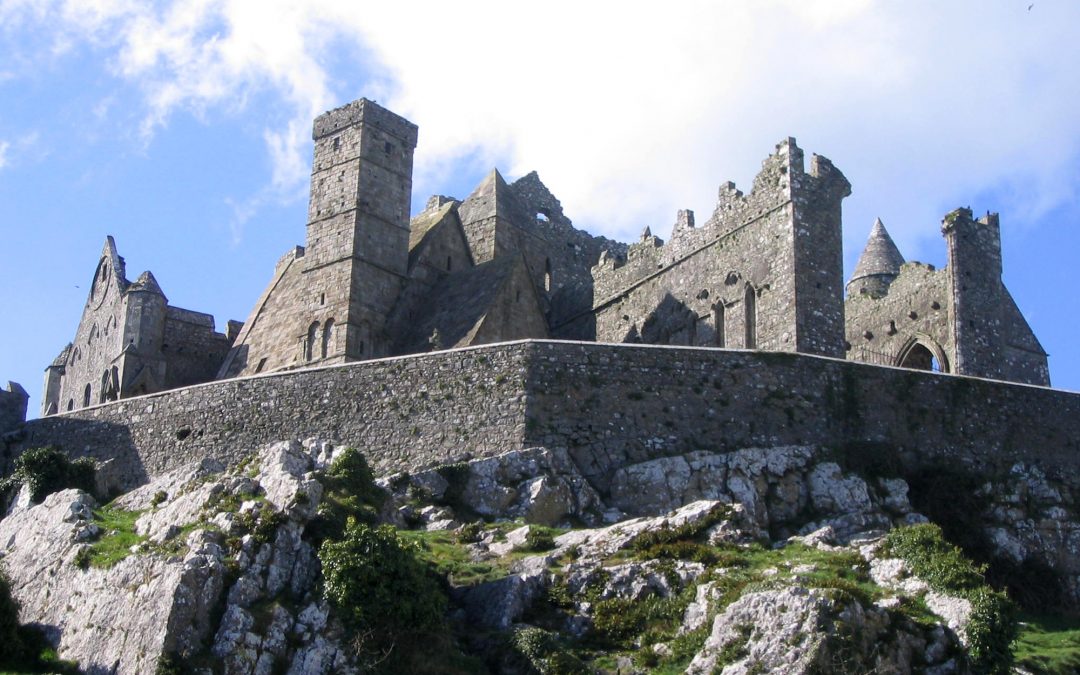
column 195, row 562
column 222, row 571
column 123, row 617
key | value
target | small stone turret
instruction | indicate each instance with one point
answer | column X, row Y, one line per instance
column 878, row 265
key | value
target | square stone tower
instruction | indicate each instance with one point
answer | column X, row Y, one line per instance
column 357, row 252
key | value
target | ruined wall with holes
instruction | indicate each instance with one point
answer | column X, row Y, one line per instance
column 883, row 330
column 609, row 405
column 960, row 319
column 764, row 272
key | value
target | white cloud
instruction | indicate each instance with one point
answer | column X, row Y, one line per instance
column 10, row 150
column 630, row 112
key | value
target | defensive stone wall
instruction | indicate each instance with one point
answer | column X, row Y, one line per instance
column 404, row 412
column 608, row 405
column 613, row 405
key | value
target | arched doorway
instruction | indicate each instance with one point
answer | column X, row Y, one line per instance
column 923, row 354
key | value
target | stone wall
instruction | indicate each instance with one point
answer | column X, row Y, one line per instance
column 404, row 413
column 608, row 405
column 914, row 310
column 192, row 349
column 13, row 402
column 612, row 405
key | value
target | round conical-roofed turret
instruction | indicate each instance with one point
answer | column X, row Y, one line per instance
column 878, row 265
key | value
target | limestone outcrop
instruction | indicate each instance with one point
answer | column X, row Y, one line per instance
column 758, row 560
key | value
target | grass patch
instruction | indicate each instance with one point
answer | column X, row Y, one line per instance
column 117, row 539
column 1048, row 644
column 621, row 622
column 689, row 531
column 442, row 551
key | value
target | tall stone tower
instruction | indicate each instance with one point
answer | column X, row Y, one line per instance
column 358, row 229
column 818, row 287
column 974, row 264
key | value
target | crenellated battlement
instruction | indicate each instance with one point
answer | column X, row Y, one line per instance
column 763, row 271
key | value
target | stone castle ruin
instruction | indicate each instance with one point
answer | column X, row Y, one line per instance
column 764, row 272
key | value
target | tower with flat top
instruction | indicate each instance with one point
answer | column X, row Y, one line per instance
column 357, row 252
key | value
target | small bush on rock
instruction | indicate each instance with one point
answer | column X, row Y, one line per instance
column 539, row 539
column 379, row 587
column 350, row 492
column 543, row 652
column 992, row 625
column 47, row 470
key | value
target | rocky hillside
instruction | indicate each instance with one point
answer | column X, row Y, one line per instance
column 784, row 559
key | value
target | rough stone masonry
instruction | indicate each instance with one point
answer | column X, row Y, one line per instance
column 763, row 272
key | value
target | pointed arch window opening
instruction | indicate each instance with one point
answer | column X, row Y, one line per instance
column 750, row 318
column 309, row 343
column 327, row 338
column 718, row 325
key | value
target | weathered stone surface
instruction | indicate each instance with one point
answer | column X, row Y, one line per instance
column 118, row 619
column 272, row 620
column 495, row 605
column 781, row 631
column 160, row 601
column 574, row 396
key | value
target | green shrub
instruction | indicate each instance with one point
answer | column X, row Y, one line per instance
column 349, row 492
column 686, row 532
column 622, row 622
column 991, row 630
column 683, row 550
column 934, row 560
column 544, row 652
column 992, row 626
column 377, row 584
column 350, row 473
column 539, row 539
column 261, row 522
column 470, row 533
column 47, row 470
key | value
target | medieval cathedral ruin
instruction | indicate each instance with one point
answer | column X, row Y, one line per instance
column 763, row 272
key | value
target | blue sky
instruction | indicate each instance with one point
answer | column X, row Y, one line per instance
column 183, row 129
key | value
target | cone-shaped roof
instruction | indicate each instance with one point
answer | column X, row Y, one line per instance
column 880, row 255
